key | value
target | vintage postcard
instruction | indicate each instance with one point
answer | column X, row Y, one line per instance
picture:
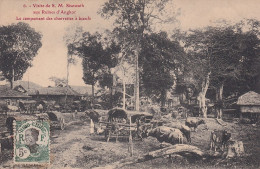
column 129, row 84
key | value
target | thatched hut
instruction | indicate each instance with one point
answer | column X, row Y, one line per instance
column 249, row 104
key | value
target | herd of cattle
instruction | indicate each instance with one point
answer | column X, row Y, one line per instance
column 169, row 132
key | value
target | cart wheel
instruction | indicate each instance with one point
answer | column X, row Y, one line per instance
column 62, row 124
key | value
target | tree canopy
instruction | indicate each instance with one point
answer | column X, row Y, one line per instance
column 134, row 18
column 98, row 58
column 19, row 44
column 158, row 61
column 225, row 55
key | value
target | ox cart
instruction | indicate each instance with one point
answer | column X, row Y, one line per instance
column 56, row 120
column 124, row 124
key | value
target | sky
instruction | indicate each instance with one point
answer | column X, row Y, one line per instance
column 51, row 57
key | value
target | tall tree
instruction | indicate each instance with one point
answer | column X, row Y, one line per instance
column 158, row 62
column 237, row 61
column 213, row 49
column 98, row 58
column 250, row 61
column 132, row 19
column 19, row 44
column 72, row 35
column 220, row 51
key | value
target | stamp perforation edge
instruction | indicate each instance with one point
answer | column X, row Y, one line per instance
column 30, row 163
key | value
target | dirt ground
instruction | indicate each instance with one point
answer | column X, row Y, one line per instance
column 74, row 147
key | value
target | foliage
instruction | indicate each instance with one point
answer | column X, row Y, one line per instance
column 222, row 51
column 136, row 15
column 158, row 61
column 227, row 55
column 73, row 34
column 250, row 61
column 98, row 57
column 134, row 18
column 109, row 101
column 106, row 80
column 19, row 44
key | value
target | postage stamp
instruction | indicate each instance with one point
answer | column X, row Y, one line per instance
column 31, row 142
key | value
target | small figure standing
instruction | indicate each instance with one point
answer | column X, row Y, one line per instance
column 92, row 126
column 74, row 114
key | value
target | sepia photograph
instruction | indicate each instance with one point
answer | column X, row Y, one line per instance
column 129, row 84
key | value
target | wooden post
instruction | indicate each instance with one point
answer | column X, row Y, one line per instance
column 240, row 114
column 91, row 127
column 124, row 90
column 130, row 148
column 136, row 84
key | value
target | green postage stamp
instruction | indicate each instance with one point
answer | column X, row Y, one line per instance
column 31, row 142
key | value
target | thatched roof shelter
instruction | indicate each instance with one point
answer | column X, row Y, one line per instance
column 7, row 93
column 55, row 91
column 250, row 98
column 249, row 103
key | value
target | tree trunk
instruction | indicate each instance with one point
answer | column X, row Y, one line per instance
column 202, row 96
column 111, row 89
column 111, row 97
column 11, row 83
column 12, row 80
column 219, row 97
column 163, row 97
column 235, row 149
column 67, row 83
column 156, row 154
column 136, row 89
column 124, row 91
column 93, row 94
column 93, row 91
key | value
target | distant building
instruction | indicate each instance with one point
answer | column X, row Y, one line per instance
column 85, row 91
column 12, row 96
column 249, row 104
column 20, row 89
column 58, row 94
